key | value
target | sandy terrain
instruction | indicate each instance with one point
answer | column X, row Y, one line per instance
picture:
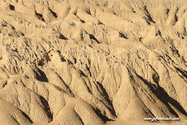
column 91, row 62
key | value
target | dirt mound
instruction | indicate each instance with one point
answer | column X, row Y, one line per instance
column 88, row 62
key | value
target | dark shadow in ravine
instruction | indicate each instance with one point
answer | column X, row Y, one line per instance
column 165, row 98
column 47, row 108
column 172, row 101
column 26, row 116
column 93, row 38
column 41, row 76
column 184, row 73
column 103, row 117
column 106, row 96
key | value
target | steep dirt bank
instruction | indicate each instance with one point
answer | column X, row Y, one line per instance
column 87, row 62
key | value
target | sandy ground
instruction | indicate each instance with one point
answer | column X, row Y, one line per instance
column 75, row 62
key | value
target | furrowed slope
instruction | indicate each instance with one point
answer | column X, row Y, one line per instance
column 89, row 62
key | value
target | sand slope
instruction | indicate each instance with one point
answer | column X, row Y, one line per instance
column 76, row 62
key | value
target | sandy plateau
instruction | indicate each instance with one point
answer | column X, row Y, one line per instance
column 93, row 62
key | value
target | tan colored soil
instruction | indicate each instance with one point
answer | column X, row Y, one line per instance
column 91, row 62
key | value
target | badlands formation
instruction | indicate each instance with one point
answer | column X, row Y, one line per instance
column 91, row 62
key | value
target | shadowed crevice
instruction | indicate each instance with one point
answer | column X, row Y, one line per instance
column 175, row 103
column 106, row 96
column 11, row 7
column 26, row 116
column 165, row 98
column 122, row 35
column 184, row 73
column 104, row 118
column 54, row 14
column 39, row 16
column 41, row 76
column 82, row 73
column 93, row 38
column 47, row 108
column 79, row 117
column 150, row 19
column 62, row 37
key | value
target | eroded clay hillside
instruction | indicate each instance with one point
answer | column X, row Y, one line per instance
column 76, row 62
